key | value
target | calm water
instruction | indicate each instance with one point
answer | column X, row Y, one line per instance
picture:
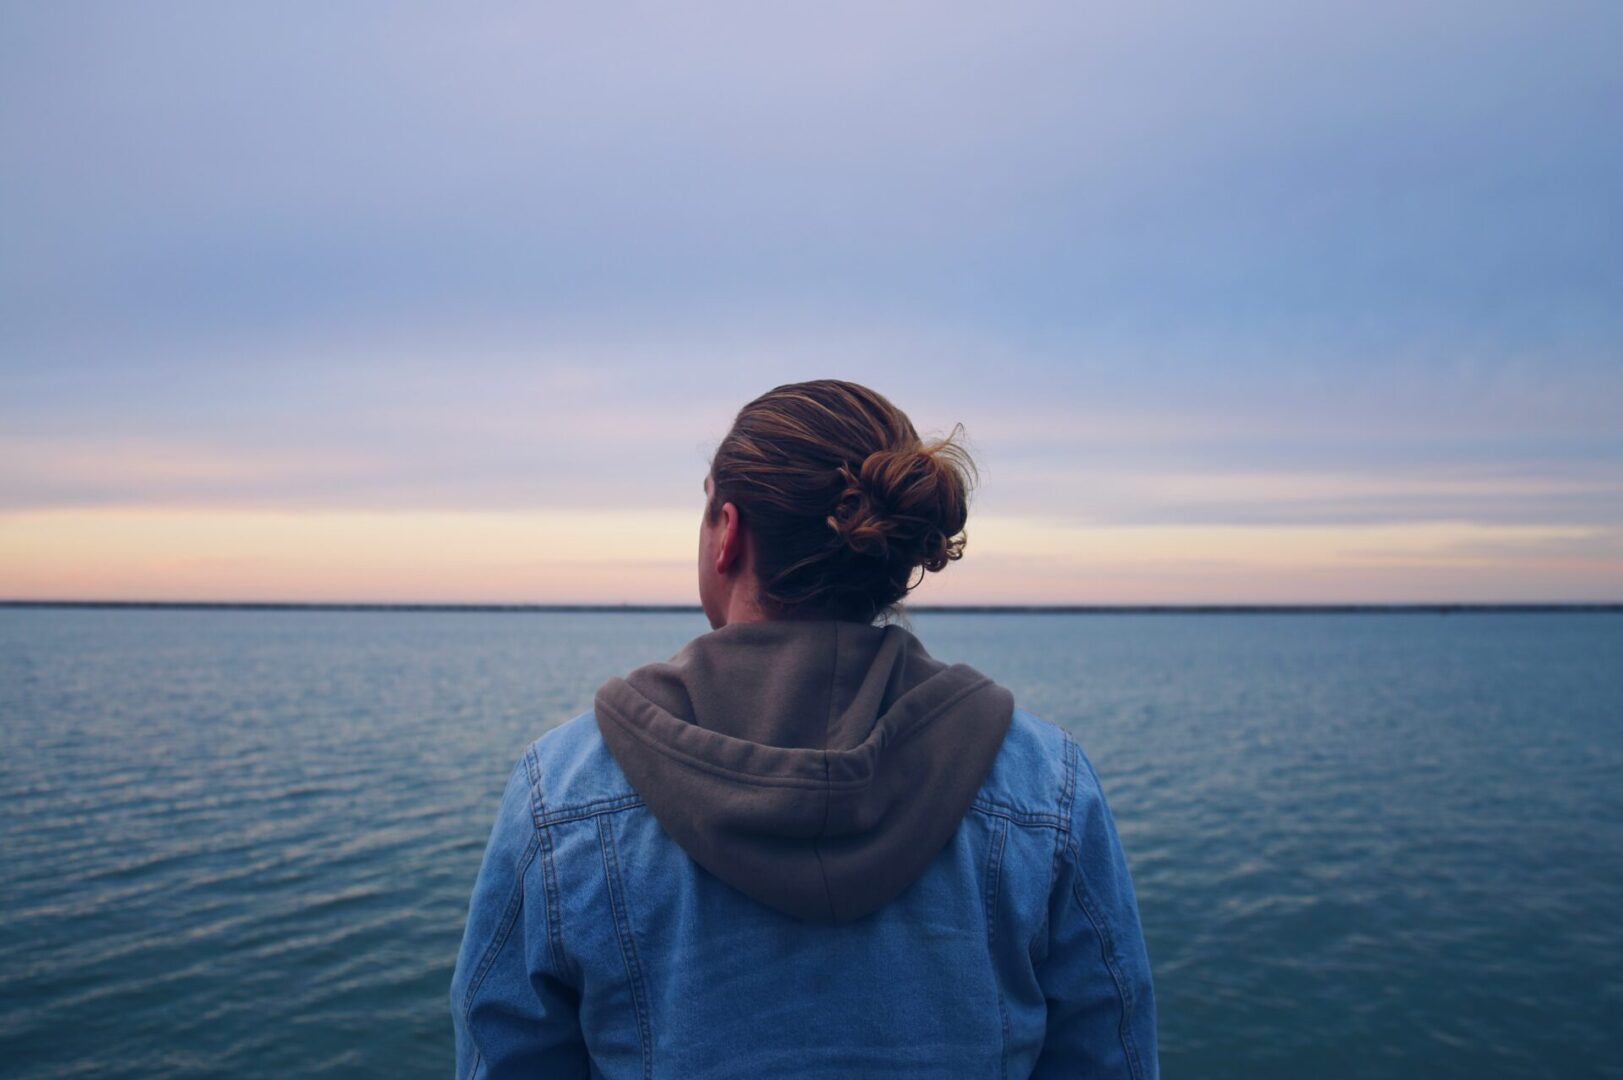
column 1365, row 845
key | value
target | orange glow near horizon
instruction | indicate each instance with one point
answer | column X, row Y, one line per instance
column 647, row 556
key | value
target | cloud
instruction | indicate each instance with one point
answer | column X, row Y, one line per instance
column 1269, row 267
column 423, row 424
column 1269, row 171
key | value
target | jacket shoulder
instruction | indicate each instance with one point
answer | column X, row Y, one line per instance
column 1028, row 776
column 572, row 770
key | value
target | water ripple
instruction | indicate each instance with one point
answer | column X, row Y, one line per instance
column 241, row 843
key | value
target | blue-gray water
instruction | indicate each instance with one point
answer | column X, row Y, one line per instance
column 1365, row 845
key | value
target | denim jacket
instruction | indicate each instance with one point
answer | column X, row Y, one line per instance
column 597, row 946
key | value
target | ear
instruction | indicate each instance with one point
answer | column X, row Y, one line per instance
column 731, row 549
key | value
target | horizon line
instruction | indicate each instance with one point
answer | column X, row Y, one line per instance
column 1416, row 608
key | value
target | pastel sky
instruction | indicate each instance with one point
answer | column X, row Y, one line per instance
column 406, row 302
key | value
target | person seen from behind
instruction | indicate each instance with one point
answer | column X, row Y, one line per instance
column 803, row 846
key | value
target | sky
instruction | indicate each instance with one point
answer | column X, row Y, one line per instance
column 1240, row 303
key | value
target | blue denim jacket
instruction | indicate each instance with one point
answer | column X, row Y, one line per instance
column 596, row 947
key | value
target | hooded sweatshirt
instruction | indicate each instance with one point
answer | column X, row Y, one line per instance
column 817, row 766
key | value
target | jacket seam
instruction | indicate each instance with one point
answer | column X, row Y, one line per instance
column 1037, row 818
column 1072, row 768
column 994, row 878
column 1062, row 832
column 1107, row 952
column 576, row 811
column 1107, row 946
column 549, row 873
column 761, row 780
column 504, row 929
column 628, row 946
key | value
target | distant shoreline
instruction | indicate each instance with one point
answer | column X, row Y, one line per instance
column 921, row 609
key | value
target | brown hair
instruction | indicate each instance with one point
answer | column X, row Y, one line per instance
column 843, row 499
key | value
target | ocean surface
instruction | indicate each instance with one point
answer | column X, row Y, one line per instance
column 241, row 843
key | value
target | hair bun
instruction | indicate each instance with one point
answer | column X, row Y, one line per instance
column 905, row 504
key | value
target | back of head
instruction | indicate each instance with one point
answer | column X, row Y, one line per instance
column 842, row 498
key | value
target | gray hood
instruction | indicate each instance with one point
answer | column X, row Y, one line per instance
column 817, row 766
